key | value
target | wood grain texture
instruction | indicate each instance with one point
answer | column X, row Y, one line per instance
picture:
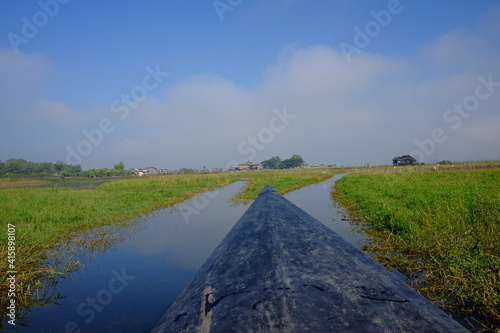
column 281, row 270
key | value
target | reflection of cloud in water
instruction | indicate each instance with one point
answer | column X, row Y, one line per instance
column 187, row 245
column 316, row 201
column 163, row 252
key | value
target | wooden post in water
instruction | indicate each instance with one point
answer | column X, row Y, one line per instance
column 281, row 270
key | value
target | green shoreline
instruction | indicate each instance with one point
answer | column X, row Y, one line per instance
column 439, row 227
column 44, row 216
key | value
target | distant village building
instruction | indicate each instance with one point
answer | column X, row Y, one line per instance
column 403, row 160
column 318, row 165
column 147, row 171
column 247, row 166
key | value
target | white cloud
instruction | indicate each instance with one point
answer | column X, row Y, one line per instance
column 364, row 112
column 19, row 70
column 461, row 51
column 55, row 114
column 485, row 131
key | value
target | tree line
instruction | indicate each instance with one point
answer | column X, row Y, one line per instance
column 275, row 162
column 18, row 167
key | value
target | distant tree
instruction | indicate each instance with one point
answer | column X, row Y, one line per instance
column 186, row 170
column 445, row 162
column 22, row 168
column 59, row 166
column 17, row 166
column 119, row 166
column 293, row 162
column 65, row 173
column 272, row 163
column 89, row 173
column 104, row 172
column 43, row 169
column 13, row 167
column 71, row 170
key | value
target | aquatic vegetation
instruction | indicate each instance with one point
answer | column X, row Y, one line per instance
column 284, row 180
column 442, row 225
column 45, row 215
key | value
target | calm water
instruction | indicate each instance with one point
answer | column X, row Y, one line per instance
column 130, row 285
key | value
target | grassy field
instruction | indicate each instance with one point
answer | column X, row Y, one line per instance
column 43, row 216
column 439, row 226
column 284, row 181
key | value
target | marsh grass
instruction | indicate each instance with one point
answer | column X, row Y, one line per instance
column 21, row 182
column 284, row 180
column 46, row 215
column 440, row 225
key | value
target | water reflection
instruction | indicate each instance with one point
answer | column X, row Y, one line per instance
column 130, row 285
column 188, row 242
column 317, row 201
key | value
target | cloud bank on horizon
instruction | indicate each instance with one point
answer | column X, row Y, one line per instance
column 343, row 96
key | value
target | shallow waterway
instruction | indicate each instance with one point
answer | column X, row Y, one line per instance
column 128, row 285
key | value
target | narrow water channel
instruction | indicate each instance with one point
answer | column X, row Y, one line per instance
column 130, row 285
column 317, row 201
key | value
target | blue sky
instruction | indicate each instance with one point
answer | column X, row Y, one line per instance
column 248, row 79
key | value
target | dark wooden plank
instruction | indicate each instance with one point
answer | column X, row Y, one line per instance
column 281, row 270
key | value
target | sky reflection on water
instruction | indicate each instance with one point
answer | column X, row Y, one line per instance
column 128, row 287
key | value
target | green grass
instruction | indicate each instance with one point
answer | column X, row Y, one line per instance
column 44, row 216
column 285, row 180
column 443, row 223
